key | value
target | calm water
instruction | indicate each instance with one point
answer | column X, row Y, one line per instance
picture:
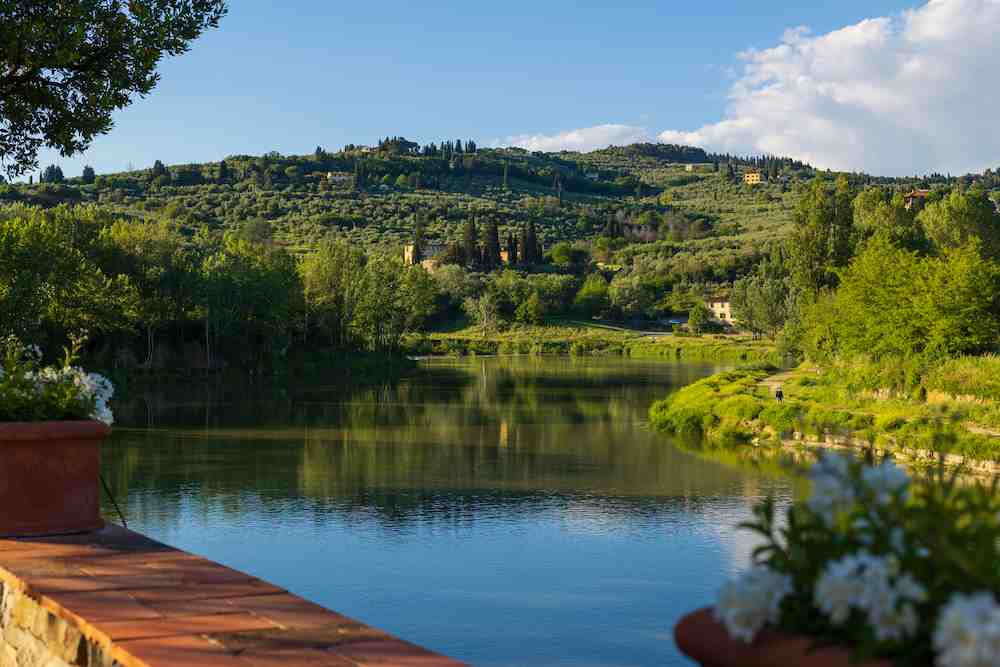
column 502, row 511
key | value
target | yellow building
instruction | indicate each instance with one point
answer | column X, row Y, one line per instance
column 753, row 177
column 431, row 250
column 722, row 311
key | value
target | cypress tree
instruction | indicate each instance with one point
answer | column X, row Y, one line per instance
column 523, row 254
column 511, row 249
column 88, row 175
column 470, row 242
column 491, row 246
column 418, row 241
column 531, row 245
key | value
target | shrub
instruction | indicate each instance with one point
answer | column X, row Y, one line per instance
column 784, row 418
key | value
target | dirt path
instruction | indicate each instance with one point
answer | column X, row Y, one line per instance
column 772, row 382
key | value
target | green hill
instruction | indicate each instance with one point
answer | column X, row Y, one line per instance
column 642, row 192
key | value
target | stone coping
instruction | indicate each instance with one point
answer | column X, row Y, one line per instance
column 138, row 603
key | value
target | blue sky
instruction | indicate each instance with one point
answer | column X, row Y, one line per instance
column 330, row 73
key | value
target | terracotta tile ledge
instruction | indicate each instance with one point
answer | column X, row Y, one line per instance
column 140, row 603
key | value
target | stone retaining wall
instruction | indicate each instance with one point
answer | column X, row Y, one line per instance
column 33, row 636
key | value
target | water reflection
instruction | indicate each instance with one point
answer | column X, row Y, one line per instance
column 522, row 494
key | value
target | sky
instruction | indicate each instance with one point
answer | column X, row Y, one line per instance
column 883, row 86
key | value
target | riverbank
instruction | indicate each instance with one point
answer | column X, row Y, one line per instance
column 585, row 339
column 831, row 408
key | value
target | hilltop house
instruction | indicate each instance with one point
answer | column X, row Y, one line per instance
column 916, row 199
column 430, row 251
column 722, row 311
column 754, row 177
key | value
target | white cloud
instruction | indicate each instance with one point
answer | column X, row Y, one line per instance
column 913, row 93
column 584, row 139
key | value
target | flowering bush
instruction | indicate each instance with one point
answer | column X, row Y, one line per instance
column 32, row 393
column 894, row 568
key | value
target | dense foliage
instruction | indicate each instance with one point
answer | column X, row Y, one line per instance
column 211, row 299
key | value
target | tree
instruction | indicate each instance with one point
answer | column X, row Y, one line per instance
column 592, row 300
column 512, row 258
column 293, row 174
column 491, row 246
column 331, row 280
column 48, row 286
column 761, row 304
column 224, row 174
column 62, row 78
column 924, row 306
column 567, row 257
column 152, row 255
column 524, row 251
column 159, row 169
column 88, row 176
column 419, row 296
column 631, row 296
column 959, row 217
column 530, row 311
column 699, row 318
column 821, row 240
column 383, row 309
column 470, row 242
column 484, row 311
column 878, row 211
column 418, row 240
column 52, row 174
column 842, row 225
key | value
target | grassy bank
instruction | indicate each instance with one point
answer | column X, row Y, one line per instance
column 589, row 339
column 947, row 408
column 706, row 348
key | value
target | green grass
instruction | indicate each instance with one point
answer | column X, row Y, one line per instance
column 706, row 348
column 523, row 339
column 732, row 408
column 564, row 336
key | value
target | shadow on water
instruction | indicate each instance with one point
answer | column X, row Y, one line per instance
column 484, row 489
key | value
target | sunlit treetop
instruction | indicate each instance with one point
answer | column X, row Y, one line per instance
column 67, row 65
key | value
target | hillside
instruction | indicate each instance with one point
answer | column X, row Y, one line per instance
column 677, row 213
column 374, row 197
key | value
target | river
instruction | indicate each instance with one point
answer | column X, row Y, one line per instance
column 504, row 511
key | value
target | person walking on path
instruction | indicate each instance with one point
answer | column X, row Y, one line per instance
column 778, row 394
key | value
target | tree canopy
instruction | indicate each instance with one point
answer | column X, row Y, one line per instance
column 66, row 67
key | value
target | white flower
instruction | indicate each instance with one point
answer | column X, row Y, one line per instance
column 841, row 588
column 746, row 604
column 90, row 386
column 869, row 584
column 886, row 481
column 832, row 491
column 968, row 632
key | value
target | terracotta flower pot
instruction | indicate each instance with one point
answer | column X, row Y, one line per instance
column 49, row 477
column 706, row 641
